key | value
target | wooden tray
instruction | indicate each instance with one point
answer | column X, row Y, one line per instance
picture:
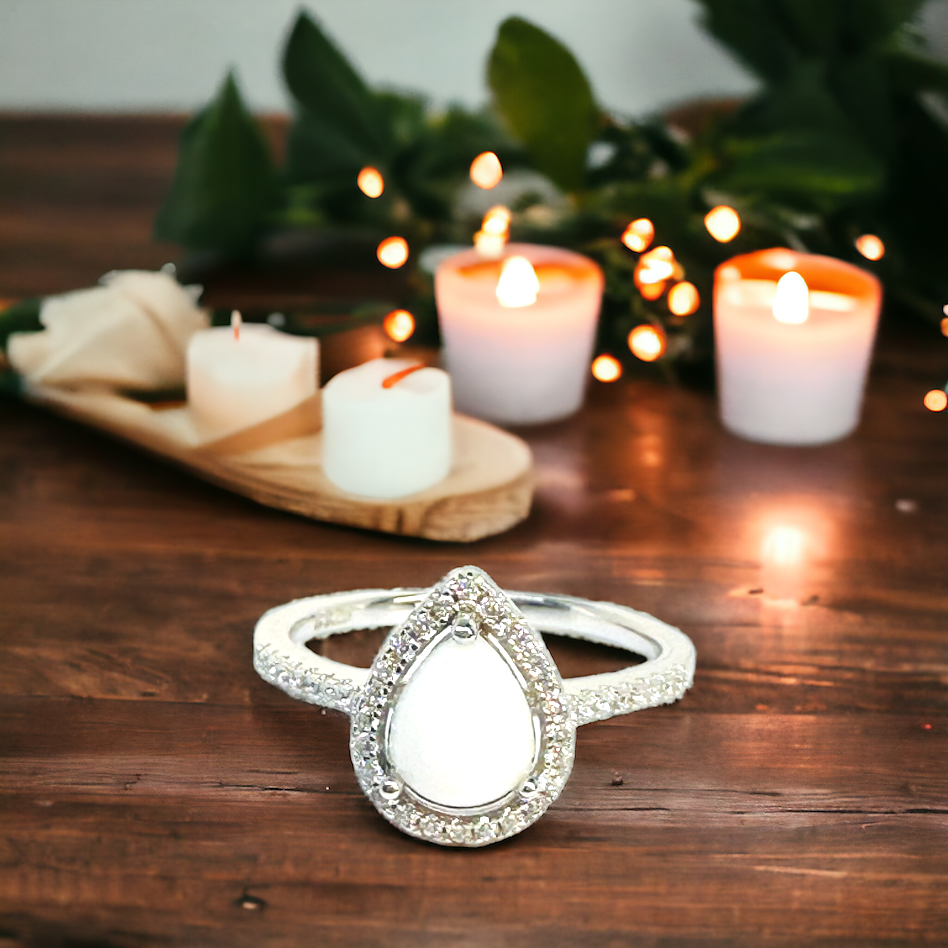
column 277, row 464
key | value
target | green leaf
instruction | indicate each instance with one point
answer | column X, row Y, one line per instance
column 224, row 184
column 545, row 100
column 22, row 316
column 322, row 80
column 805, row 167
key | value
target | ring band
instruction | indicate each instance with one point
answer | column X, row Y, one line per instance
column 436, row 793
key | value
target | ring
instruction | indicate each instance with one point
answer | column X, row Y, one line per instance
column 462, row 731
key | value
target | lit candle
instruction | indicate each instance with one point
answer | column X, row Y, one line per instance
column 518, row 331
column 240, row 375
column 387, row 428
column 794, row 336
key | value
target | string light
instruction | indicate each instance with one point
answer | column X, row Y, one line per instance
column 683, row 299
column 652, row 291
column 646, row 343
column 605, row 368
column 393, row 252
column 936, row 400
column 944, row 321
column 723, row 223
column 486, row 170
column 870, row 246
column 399, row 325
column 370, row 181
column 639, row 234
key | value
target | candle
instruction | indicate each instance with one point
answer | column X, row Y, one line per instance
column 387, row 428
column 518, row 331
column 794, row 336
column 240, row 375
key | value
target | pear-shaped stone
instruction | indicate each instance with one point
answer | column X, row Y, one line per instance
column 461, row 732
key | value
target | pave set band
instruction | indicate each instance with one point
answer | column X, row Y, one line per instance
column 457, row 655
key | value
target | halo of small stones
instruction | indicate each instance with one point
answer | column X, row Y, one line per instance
column 500, row 620
column 630, row 692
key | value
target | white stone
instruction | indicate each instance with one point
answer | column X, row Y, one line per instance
column 461, row 732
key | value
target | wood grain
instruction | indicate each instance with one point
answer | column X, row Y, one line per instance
column 151, row 785
column 278, row 463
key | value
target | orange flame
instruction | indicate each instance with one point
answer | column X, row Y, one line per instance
column 646, row 343
column 605, row 368
column 486, row 170
column 683, row 299
column 870, row 246
column 399, row 324
column 723, row 223
column 518, row 284
column 944, row 326
column 236, row 321
column 639, row 234
column 792, row 300
column 370, row 181
column 936, row 400
column 393, row 252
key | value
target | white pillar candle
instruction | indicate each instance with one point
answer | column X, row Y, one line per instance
column 528, row 362
column 240, row 375
column 386, row 430
column 792, row 364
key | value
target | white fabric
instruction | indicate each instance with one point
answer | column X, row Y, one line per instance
column 129, row 333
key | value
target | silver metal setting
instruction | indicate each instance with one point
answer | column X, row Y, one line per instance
column 466, row 605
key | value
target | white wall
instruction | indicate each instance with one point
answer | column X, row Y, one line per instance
column 169, row 55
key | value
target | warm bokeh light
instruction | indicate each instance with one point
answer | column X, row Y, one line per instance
column 639, row 234
column 870, row 246
column 792, row 300
column 605, row 368
column 655, row 266
column 646, row 343
column 370, row 181
column 723, row 223
column 683, row 299
column 399, row 324
column 652, row 291
column 784, row 546
column 393, row 252
column 944, row 326
column 486, row 170
column 518, row 284
column 936, row 400
column 496, row 221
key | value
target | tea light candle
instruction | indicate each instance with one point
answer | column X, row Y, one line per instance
column 387, row 428
column 518, row 331
column 240, row 375
column 794, row 335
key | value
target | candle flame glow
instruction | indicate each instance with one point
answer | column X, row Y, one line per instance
column 491, row 239
column 683, row 299
column 656, row 266
column 792, row 300
column 784, row 546
column 936, row 400
column 393, row 252
column 646, row 343
column 236, row 321
column 518, row 284
column 496, row 221
column 870, row 246
column 370, row 181
column 396, row 377
column 606, row 368
column 723, row 223
column 639, row 234
column 486, row 170
column 399, row 324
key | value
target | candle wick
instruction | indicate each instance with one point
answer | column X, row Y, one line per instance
column 236, row 321
column 396, row 377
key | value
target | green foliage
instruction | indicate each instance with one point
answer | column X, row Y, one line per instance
column 224, row 186
column 545, row 100
column 22, row 316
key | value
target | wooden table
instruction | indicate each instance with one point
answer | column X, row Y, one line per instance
column 156, row 792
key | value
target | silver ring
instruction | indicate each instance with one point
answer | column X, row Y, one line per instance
column 463, row 731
